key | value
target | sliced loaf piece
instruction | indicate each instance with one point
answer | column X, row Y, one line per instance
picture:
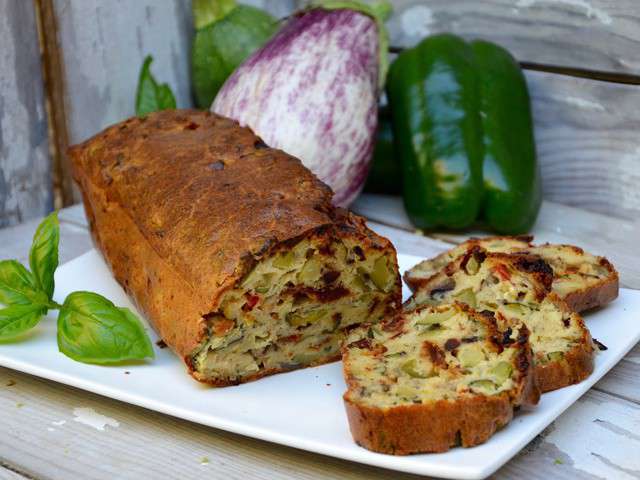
column 435, row 378
column 581, row 279
column 423, row 271
column 515, row 287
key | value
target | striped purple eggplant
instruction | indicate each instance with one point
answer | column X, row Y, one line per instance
column 312, row 91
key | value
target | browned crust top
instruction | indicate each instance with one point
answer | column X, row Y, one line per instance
column 205, row 193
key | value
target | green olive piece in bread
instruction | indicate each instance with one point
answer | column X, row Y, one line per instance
column 516, row 287
column 435, row 378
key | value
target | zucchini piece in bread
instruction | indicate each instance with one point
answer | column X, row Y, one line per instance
column 516, row 287
column 581, row 279
column 233, row 250
column 434, row 378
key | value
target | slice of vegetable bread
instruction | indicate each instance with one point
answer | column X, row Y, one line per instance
column 582, row 280
column 516, row 287
column 423, row 271
column 434, row 378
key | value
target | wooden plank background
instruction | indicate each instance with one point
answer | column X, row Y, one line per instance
column 583, row 34
column 588, row 141
column 25, row 168
column 586, row 129
column 106, row 49
column 104, row 44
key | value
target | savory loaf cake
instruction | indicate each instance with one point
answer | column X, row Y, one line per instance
column 232, row 249
column 515, row 287
column 434, row 378
column 582, row 280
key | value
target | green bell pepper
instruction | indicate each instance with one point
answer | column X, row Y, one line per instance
column 512, row 186
column 463, row 131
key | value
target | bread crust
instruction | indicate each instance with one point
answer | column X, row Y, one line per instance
column 576, row 365
column 605, row 291
column 428, row 428
column 434, row 427
column 214, row 382
column 183, row 203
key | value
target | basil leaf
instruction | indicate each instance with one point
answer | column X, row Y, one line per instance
column 18, row 286
column 91, row 329
column 151, row 97
column 17, row 319
column 43, row 256
column 165, row 98
column 146, row 94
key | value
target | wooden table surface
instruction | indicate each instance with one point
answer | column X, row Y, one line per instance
column 43, row 437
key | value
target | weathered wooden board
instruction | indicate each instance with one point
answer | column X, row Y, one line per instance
column 138, row 443
column 624, row 380
column 103, row 50
column 586, row 130
column 593, row 439
column 6, row 474
column 588, row 143
column 103, row 46
column 584, row 34
column 599, row 234
column 25, row 178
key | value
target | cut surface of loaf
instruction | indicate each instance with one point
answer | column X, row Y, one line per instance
column 231, row 249
column 581, row 279
column 515, row 288
column 434, row 378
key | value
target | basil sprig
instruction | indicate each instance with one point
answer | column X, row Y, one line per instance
column 91, row 329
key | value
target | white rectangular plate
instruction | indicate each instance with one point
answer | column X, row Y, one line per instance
column 302, row 409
